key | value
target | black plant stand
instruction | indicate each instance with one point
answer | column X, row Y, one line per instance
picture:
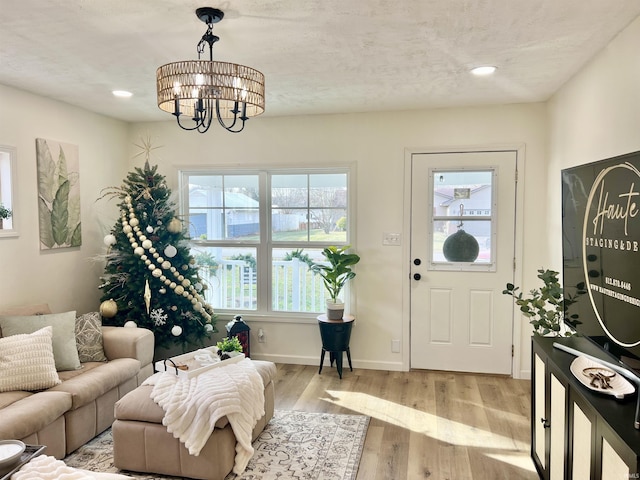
column 335, row 335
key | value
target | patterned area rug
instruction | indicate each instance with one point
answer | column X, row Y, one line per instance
column 294, row 445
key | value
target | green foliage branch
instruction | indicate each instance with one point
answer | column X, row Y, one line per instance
column 546, row 306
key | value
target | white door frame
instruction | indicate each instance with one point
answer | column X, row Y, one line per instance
column 516, row 361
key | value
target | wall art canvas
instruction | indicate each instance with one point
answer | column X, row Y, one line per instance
column 58, row 194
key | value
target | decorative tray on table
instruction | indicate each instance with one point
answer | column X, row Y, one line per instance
column 599, row 378
column 194, row 363
column 30, row 451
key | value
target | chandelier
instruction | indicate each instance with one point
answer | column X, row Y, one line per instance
column 196, row 91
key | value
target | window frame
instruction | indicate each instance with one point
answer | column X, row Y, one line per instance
column 266, row 245
column 445, row 265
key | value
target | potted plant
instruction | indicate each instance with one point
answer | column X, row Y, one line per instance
column 4, row 213
column 229, row 347
column 335, row 273
column 546, row 307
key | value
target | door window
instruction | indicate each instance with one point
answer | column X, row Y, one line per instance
column 462, row 209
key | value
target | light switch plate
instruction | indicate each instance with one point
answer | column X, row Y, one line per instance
column 389, row 238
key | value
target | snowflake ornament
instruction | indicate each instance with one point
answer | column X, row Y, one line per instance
column 159, row 317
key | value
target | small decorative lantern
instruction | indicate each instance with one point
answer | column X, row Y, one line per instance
column 237, row 328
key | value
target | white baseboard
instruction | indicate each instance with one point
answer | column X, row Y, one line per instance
column 303, row 360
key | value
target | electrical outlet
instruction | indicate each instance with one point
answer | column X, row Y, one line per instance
column 395, row 346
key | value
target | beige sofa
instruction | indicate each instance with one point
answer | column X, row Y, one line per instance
column 67, row 415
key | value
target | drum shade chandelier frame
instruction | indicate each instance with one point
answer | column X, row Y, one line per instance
column 196, row 91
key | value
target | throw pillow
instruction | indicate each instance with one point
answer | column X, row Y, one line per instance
column 89, row 338
column 65, row 351
column 26, row 361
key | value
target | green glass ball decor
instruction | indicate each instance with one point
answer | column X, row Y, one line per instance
column 461, row 247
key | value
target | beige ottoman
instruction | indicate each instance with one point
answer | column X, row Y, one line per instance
column 142, row 444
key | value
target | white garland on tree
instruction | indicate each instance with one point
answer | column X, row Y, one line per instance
column 162, row 268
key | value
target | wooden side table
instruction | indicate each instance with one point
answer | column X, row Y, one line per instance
column 335, row 335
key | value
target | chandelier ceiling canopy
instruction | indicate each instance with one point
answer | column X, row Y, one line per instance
column 196, row 91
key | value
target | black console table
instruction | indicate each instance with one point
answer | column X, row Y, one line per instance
column 335, row 335
column 577, row 432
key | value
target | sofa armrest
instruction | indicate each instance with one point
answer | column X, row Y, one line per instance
column 123, row 342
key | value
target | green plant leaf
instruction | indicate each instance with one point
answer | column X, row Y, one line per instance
column 47, row 179
column 44, row 215
column 60, row 214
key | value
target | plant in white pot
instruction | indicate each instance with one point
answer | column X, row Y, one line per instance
column 5, row 213
column 335, row 273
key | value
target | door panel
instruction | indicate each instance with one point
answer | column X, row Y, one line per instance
column 459, row 318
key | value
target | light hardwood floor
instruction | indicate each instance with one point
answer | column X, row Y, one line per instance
column 424, row 424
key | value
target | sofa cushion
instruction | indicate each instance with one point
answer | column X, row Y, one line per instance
column 94, row 380
column 89, row 338
column 65, row 351
column 32, row 414
column 26, row 361
column 7, row 398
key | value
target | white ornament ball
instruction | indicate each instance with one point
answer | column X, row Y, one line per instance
column 163, row 290
column 197, row 306
column 198, row 286
column 170, row 251
column 134, row 222
column 166, row 265
column 172, row 285
column 139, row 251
column 174, row 308
column 208, row 327
column 130, row 324
column 186, row 282
column 185, row 267
column 176, row 331
column 149, row 229
column 156, row 273
column 150, row 266
column 109, row 240
column 175, row 225
column 127, row 199
column 143, row 257
column 179, row 289
column 152, row 250
column 142, row 237
column 147, row 244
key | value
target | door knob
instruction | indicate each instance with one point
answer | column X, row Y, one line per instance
column 417, row 276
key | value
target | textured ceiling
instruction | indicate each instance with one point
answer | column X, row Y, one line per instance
column 318, row 57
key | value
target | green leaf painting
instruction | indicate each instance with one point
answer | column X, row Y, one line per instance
column 58, row 194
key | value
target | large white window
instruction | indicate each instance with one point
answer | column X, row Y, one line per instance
column 255, row 234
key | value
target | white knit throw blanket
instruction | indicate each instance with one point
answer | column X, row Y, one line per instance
column 45, row 467
column 193, row 406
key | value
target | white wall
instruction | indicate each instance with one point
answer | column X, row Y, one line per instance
column 66, row 279
column 375, row 143
column 594, row 116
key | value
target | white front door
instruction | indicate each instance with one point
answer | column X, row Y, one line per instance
column 462, row 252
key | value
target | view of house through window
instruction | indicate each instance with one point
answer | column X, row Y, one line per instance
column 256, row 234
column 463, row 201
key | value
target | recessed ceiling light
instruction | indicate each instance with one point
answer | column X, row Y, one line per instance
column 484, row 70
column 122, row 93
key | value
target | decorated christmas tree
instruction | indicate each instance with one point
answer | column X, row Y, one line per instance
column 150, row 278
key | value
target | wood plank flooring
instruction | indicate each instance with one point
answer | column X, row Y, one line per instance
column 424, row 424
